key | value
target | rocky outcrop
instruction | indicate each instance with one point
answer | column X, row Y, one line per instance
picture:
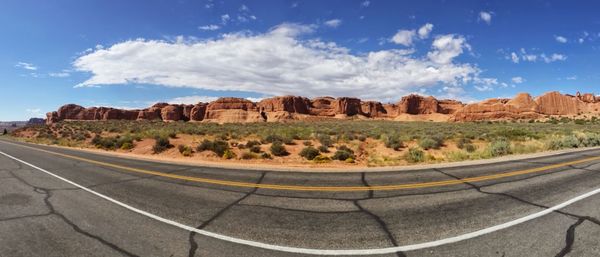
column 198, row 111
column 409, row 108
column 416, row 104
column 291, row 104
column 555, row 103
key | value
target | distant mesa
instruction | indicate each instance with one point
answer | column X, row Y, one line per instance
column 285, row 108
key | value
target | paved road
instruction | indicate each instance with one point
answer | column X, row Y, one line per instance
column 43, row 215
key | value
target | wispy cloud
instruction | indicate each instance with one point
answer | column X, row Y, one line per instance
column 209, row 27
column 334, row 23
column 366, row 3
column 486, row 17
column 25, row 65
column 561, row 39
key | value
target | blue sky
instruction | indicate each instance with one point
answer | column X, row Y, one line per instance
column 130, row 54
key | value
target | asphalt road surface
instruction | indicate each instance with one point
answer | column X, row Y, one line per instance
column 59, row 202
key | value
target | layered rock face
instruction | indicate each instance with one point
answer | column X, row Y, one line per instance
column 524, row 106
column 230, row 109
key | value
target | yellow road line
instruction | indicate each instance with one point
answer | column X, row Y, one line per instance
column 321, row 188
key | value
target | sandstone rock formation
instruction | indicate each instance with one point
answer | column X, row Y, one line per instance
column 409, row 108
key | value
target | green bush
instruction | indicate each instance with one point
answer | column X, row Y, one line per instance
column 255, row 149
column 185, row 150
column 430, row 143
column 278, row 149
column 228, row 154
column 321, row 159
column 309, row 153
column 325, row 140
column 470, row 148
column 499, row 147
column 307, row 143
column 218, row 146
column 161, row 144
column 249, row 155
column 252, row 143
column 462, row 142
column 323, row 149
column 343, row 154
column 415, row 155
column 393, row 142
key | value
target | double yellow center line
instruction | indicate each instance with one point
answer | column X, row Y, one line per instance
column 321, row 188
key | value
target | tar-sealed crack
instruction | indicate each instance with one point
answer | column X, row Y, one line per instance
column 191, row 239
column 570, row 234
column 377, row 219
column 53, row 211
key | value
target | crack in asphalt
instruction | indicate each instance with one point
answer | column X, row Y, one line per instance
column 570, row 238
column 192, row 241
column 52, row 211
column 570, row 232
column 377, row 219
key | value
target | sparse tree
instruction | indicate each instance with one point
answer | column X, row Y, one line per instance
column 5, row 132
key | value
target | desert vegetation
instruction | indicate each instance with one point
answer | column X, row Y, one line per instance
column 367, row 143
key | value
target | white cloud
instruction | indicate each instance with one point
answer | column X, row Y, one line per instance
column 561, row 39
column 25, row 65
column 225, row 18
column 572, row 78
column 425, row 30
column 486, row 17
column 553, row 57
column 404, row 37
column 333, row 23
column 517, row 80
column 514, row 57
column 447, row 47
column 294, row 5
column 62, row 74
column 34, row 111
column 366, row 3
column 277, row 62
column 209, row 27
column 524, row 56
column 194, row 99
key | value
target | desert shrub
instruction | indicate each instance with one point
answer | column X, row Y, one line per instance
column 430, row 143
column 570, row 141
column 249, row 155
column 172, row 134
column 288, row 140
column 127, row 146
column 307, row 143
column 362, row 138
column 457, row 156
column 343, row 154
column 161, row 144
column 218, row 146
column 392, row 141
column 309, row 153
column 323, row 149
column 252, row 143
column 321, row 159
column 470, row 148
column 415, row 155
column 499, row 147
column 462, row 142
column 266, row 156
column 255, row 149
column 228, row 154
column 241, row 146
column 185, row 150
column 278, row 149
column 325, row 140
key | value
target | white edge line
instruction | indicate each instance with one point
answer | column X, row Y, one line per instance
column 288, row 249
